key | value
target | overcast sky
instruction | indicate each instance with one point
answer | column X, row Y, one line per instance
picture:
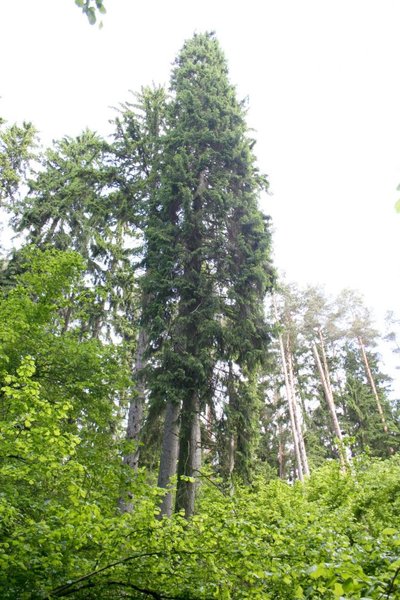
column 322, row 77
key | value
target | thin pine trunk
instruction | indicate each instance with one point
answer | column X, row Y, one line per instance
column 281, row 454
column 231, row 425
column 290, row 402
column 326, row 384
column 372, row 384
column 297, row 417
column 291, row 412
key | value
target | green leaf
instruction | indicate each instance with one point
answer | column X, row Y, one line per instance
column 91, row 15
column 299, row 593
column 317, row 571
column 389, row 531
column 397, row 205
column 338, row 590
column 348, row 585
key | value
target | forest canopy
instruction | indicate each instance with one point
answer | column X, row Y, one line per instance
column 175, row 420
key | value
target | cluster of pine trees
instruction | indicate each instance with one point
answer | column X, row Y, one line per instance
column 138, row 359
column 326, row 392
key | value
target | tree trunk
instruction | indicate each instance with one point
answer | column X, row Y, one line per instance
column 231, row 427
column 169, row 455
column 325, row 380
column 281, row 454
column 136, row 406
column 297, row 417
column 189, row 455
column 135, row 414
column 290, row 402
column 372, row 384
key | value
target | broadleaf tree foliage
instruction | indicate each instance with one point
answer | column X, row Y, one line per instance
column 91, row 8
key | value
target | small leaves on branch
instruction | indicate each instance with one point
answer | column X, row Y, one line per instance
column 90, row 9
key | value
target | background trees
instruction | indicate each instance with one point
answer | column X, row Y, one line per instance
column 331, row 342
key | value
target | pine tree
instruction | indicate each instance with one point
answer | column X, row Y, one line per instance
column 17, row 151
column 358, row 401
column 207, row 255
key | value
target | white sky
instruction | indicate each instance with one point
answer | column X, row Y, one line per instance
column 323, row 81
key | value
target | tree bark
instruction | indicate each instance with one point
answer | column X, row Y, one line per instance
column 290, row 402
column 231, row 442
column 136, row 405
column 297, row 417
column 325, row 380
column 281, row 454
column 372, row 384
column 135, row 413
column 169, row 455
column 189, row 455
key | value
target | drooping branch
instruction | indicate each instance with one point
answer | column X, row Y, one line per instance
column 60, row 591
column 67, row 589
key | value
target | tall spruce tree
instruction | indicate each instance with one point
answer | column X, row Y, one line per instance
column 207, row 259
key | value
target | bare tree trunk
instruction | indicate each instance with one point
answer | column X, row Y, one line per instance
column 290, row 403
column 326, row 384
column 372, row 384
column 297, row 418
column 281, row 455
column 231, row 426
column 291, row 413
column 136, row 406
column 169, row 454
column 189, row 462
column 135, row 413
column 208, row 430
column 231, row 454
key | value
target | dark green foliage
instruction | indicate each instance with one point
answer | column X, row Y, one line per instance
column 17, row 144
column 207, row 244
column 74, row 203
column 363, row 422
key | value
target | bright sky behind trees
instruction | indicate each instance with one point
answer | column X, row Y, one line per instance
column 324, row 97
